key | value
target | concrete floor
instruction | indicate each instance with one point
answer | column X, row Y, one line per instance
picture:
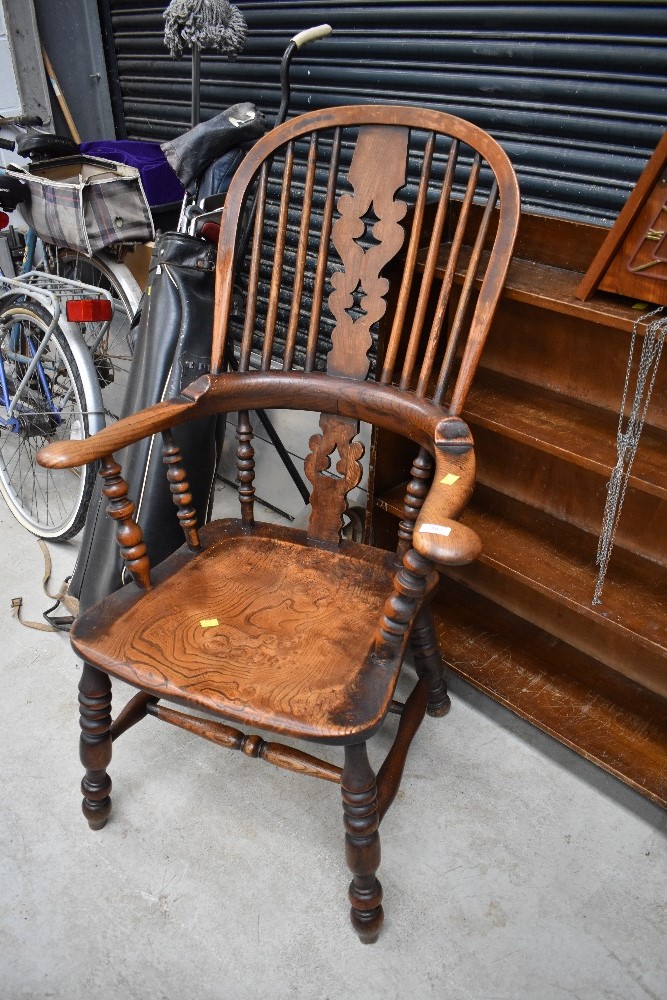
column 512, row 869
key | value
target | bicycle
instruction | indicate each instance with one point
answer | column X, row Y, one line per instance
column 111, row 366
column 112, row 352
column 48, row 391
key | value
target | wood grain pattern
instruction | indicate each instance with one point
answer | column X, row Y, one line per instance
column 328, row 499
column 351, row 338
column 290, row 652
column 599, row 713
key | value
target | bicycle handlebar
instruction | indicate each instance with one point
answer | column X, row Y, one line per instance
column 297, row 42
column 311, row 35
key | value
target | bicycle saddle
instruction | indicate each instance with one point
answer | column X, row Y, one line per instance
column 37, row 146
column 13, row 192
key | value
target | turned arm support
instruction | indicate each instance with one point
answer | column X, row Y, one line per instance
column 438, row 536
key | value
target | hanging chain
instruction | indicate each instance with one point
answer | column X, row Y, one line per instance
column 627, row 441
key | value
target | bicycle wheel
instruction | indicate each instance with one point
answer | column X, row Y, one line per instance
column 52, row 406
column 112, row 355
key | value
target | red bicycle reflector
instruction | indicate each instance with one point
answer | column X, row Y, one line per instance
column 211, row 232
column 4, row 220
column 88, row 310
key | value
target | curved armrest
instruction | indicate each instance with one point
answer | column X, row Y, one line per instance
column 438, row 535
column 152, row 420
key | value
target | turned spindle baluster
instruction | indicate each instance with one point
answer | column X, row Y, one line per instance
column 362, row 842
column 95, row 744
column 180, row 490
column 414, row 499
column 429, row 663
column 410, row 583
column 423, row 641
column 128, row 533
column 245, row 466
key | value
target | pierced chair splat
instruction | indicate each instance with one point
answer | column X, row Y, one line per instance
column 300, row 632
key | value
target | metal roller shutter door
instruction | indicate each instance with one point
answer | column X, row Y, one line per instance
column 576, row 93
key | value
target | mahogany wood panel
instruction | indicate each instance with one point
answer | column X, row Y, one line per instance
column 617, row 724
column 543, row 414
column 643, row 662
column 613, row 265
column 553, row 289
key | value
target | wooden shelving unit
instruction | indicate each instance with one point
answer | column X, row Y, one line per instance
column 520, row 623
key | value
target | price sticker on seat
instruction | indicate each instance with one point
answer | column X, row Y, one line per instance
column 209, row 622
column 450, row 479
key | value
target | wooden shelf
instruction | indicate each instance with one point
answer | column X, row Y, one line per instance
column 523, row 550
column 519, row 623
column 576, row 432
column 617, row 724
column 553, row 288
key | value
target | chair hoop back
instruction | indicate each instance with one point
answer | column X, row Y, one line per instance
column 363, row 179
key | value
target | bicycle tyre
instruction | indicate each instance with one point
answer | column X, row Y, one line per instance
column 113, row 356
column 50, row 503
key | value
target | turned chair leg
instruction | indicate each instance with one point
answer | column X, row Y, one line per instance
column 95, row 744
column 362, row 842
column 429, row 662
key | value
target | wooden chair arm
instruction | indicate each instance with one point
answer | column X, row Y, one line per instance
column 153, row 420
column 438, row 536
column 400, row 412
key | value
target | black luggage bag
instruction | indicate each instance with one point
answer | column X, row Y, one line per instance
column 172, row 349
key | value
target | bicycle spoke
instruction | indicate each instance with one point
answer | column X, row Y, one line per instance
column 48, row 406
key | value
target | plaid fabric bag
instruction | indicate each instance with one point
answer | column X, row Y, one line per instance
column 85, row 203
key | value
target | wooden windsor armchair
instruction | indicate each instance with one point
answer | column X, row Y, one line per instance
column 300, row 632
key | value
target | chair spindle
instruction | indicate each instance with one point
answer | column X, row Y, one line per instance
column 323, row 254
column 128, row 533
column 302, row 250
column 458, row 323
column 448, row 279
column 245, row 466
column 410, row 262
column 177, row 478
column 278, row 259
column 253, row 276
column 429, row 270
column 417, row 489
column 410, row 582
